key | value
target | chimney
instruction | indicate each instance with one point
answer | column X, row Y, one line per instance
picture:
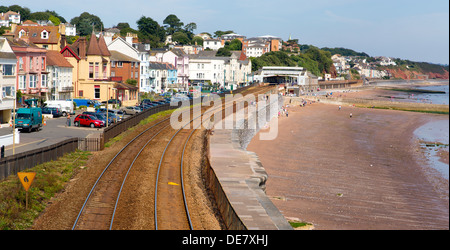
column 82, row 47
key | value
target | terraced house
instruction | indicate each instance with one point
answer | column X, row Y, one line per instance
column 31, row 68
column 8, row 76
column 91, row 68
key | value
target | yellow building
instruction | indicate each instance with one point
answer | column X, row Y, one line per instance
column 91, row 73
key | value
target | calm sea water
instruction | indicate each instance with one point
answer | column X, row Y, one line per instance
column 434, row 98
column 437, row 132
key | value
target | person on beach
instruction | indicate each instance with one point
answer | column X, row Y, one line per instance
column 287, row 114
column 351, row 115
column 339, row 107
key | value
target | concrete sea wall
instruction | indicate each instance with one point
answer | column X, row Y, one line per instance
column 237, row 179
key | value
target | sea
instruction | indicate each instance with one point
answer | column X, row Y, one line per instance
column 435, row 131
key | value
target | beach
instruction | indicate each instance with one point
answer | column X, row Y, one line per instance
column 362, row 172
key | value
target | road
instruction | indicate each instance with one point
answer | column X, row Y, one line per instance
column 55, row 131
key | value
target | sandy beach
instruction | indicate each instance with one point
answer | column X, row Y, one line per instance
column 364, row 172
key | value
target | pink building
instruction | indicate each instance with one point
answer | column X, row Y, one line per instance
column 31, row 69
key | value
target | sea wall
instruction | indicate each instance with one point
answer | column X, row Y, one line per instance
column 237, row 178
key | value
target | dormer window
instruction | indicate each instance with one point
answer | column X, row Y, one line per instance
column 22, row 33
column 44, row 34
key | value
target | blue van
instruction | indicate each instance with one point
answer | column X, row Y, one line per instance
column 85, row 102
column 29, row 118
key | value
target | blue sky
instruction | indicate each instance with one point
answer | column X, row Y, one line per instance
column 407, row 29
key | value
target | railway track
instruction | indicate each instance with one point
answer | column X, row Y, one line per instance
column 170, row 204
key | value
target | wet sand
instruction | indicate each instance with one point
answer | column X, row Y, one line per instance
column 364, row 172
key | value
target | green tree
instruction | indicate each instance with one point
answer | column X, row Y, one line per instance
column 197, row 40
column 84, row 20
column 172, row 24
column 150, row 31
column 223, row 52
column 181, row 38
column 235, row 44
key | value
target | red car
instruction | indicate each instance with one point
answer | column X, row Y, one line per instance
column 88, row 120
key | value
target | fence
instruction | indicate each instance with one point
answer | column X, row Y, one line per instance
column 21, row 161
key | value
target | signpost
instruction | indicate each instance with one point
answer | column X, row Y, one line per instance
column 26, row 179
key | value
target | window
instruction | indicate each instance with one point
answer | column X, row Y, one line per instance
column 97, row 70
column 113, row 64
column 43, row 62
column 97, row 92
column 22, row 82
column 119, row 64
column 31, row 62
column 44, row 34
column 91, row 70
column 22, row 33
column 8, row 91
column 44, row 80
column 32, row 81
column 105, row 66
column 8, row 69
column 20, row 63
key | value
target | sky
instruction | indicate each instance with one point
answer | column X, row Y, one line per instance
column 408, row 29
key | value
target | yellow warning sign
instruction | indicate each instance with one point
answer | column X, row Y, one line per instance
column 26, row 179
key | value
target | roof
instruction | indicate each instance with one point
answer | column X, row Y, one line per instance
column 54, row 58
column 122, row 85
column 34, row 33
column 117, row 56
column 102, row 45
column 93, row 48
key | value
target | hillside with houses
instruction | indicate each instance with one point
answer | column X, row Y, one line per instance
column 43, row 55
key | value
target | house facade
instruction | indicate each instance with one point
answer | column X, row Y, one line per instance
column 222, row 72
column 8, row 75
column 91, row 68
column 59, row 76
column 43, row 36
column 9, row 17
column 180, row 60
column 31, row 68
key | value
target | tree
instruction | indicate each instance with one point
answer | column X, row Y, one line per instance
column 235, row 44
column 220, row 33
column 197, row 40
column 172, row 24
column 180, row 37
column 223, row 52
column 190, row 27
column 84, row 20
column 150, row 31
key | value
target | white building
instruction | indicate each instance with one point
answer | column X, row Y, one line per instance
column 144, row 74
column 8, row 73
column 9, row 17
column 180, row 60
column 59, row 79
column 225, row 72
column 213, row 44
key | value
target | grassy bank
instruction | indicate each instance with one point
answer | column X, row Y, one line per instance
column 50, row 179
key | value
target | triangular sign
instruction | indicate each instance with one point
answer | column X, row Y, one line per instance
column 26, row 179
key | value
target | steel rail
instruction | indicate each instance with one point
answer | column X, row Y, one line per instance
column 223, row 107
column 125, row 178
column 106, row 168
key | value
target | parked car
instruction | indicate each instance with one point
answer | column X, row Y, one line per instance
column 113, row 101
column 118, row 113
column 56, row 112
column 88, row 120
column 66, row 107
column 131, row 110
column 99, row 116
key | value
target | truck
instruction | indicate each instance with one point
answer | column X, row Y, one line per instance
column 66, row 106
column 29, row 118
